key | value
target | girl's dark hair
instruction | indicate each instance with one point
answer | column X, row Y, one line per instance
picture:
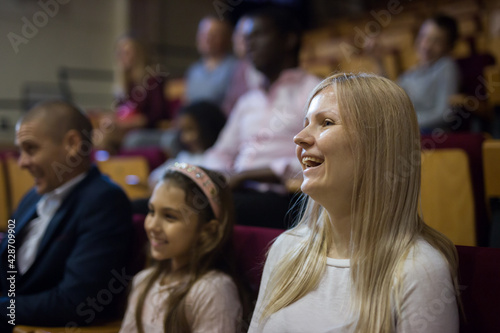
column 448, row 24
column 213, row 252
column 210, row 120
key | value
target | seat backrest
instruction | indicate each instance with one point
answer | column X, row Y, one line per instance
column 472, row 144
column 492, row 75
column 491, row 163
column 446, row 195
column 472, row 72
column 479, row 276
column 138, row 257
column 129, row 172
column 154, row 155
column 401, row 40
column 175, row 92
column 368, row 64
column 251, row 245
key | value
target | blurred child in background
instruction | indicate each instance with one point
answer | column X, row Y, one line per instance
column 198, row 126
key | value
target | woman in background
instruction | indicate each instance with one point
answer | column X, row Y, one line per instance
column 139, row 88
column 140, row 97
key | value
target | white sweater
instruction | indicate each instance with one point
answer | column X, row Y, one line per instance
column 427, row 300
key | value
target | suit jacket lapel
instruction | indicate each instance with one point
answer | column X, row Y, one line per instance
column 64, row 209
column 57, row 219
column 27, row 217
column 21, row 222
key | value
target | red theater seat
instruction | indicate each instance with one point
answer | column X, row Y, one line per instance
column 138, row 257
column 479, row 276
column 250, row 246
column 479, row 279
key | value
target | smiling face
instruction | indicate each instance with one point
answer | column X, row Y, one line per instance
column 40, row 154
column 324, row 151
column 171, row 225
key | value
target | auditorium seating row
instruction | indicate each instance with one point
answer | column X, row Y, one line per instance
column 460, row 180
column 129, row 169
column 339, row 44
column 479, row 274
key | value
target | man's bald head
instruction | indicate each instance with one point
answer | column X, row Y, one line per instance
column 54, row 140
column 56, row 118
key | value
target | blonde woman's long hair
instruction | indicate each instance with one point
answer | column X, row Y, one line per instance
column 385, row 140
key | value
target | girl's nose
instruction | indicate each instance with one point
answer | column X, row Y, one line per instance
column 151, row 223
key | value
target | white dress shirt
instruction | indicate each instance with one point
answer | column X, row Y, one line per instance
column 46, row 208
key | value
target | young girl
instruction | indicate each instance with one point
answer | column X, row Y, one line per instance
column 190, row 287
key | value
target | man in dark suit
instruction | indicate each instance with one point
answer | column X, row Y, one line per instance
column 63, row 263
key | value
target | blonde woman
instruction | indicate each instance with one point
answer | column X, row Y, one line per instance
column 360, row 259
column 139, row 89
column 139, row 97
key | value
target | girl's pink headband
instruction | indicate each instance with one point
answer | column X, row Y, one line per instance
column 200, row 178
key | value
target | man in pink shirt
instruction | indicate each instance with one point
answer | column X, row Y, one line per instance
column 256, row 147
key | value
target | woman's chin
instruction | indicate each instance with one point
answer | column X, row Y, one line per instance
column 310, row 188
column 158, row 256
